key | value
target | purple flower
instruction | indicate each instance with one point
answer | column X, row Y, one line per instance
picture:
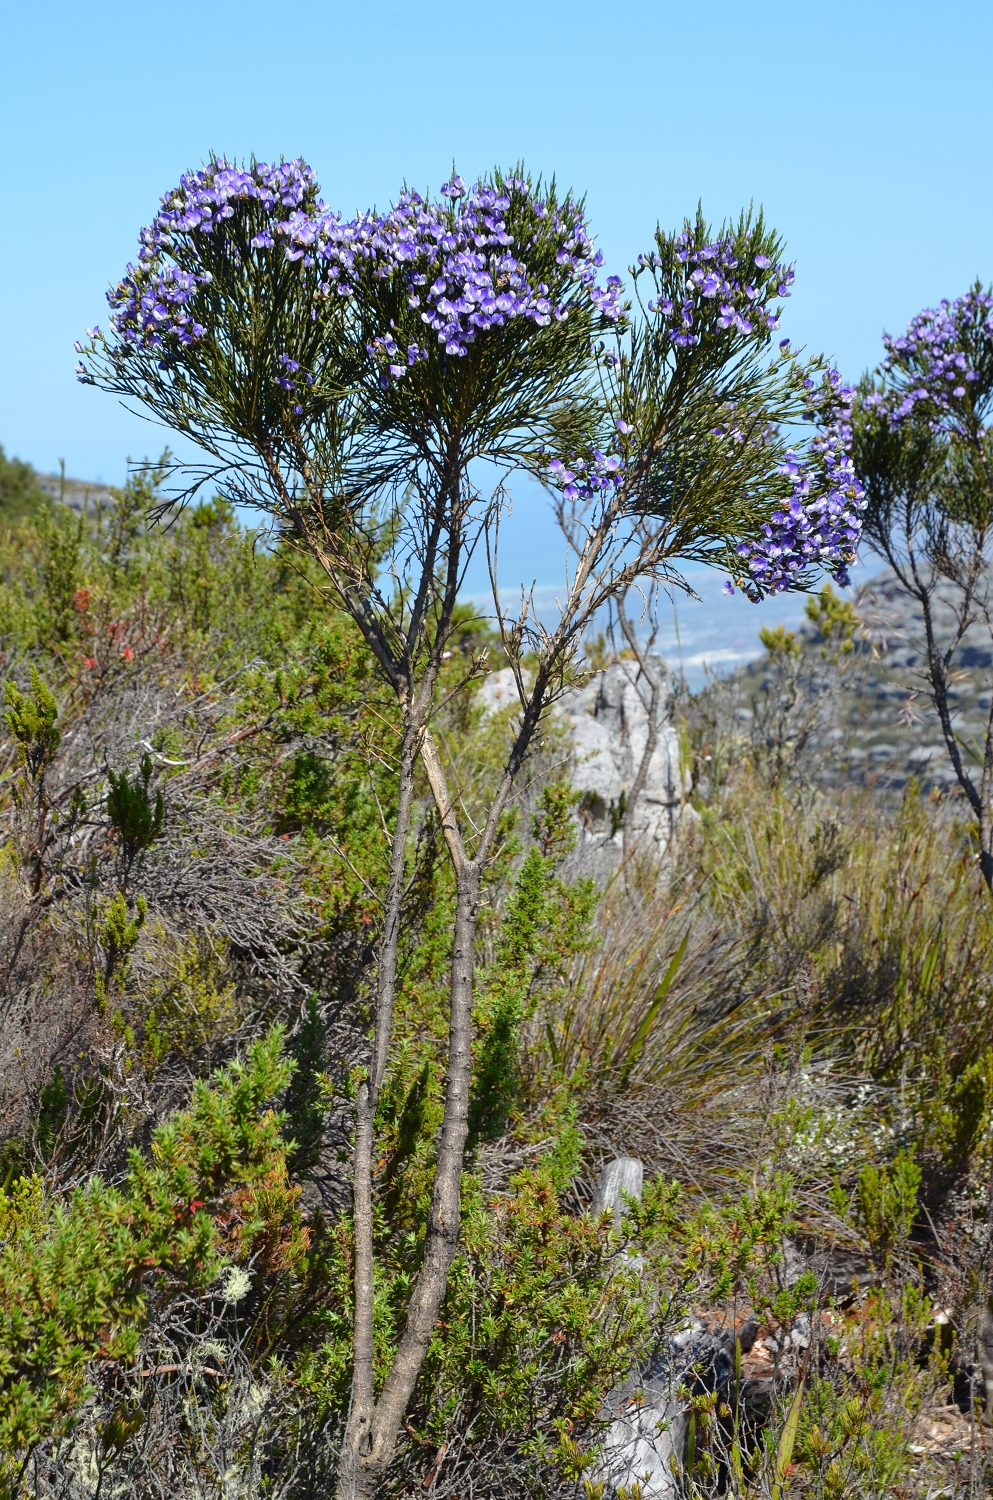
column 716, row 291
column 456, row 260
column 930, row 368
column 587, row 476
column 821, row 522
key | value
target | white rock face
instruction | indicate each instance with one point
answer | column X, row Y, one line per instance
column 498, row 690
column 641, row 1446
column 648, row 1431
column 607, row 722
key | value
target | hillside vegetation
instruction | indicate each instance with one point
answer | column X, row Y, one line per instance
column 789, row 1026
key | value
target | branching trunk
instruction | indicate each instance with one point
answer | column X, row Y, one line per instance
column 372, row 1432
column 373, row 1425
column 920, row 585
column 360, row 1417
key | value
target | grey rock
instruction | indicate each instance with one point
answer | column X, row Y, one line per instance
column 498, row 691
column 77, row 494
column 646, row 1441
column 642, row 1443
column 924, row 753
column 607, row 722
column 874, row 719
column 623, row 1175
column 648, row 1431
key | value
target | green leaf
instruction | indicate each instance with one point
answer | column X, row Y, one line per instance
column 641, row 1035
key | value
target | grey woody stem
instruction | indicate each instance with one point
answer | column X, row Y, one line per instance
column 358, row 1432
column 443, row 1221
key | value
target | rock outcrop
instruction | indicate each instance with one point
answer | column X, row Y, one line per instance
column 77, row 494
column 607, row 723
column 644, row 1445
column 874, row 722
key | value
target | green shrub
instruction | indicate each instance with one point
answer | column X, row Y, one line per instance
column 76, row 1282
column 20, row 495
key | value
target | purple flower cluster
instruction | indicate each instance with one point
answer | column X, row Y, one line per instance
column 821, row 522
column 149, row 308
column 582, row 478
column 714, row 273
column 206, row 199
column 458, row 263
column 932, row 365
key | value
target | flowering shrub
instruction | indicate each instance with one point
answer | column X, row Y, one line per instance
column 463, row 264
column 923, row 448
column 456, row 261
column 940, row 368
column 584, row 478
column 150, row 305
column 719, row 296
column 821, row 522
column 735, row 291
column 373, row 297
column 349, row 377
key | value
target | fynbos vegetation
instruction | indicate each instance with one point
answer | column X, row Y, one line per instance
column 321, row 1016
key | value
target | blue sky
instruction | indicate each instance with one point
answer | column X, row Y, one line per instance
column 862, row 128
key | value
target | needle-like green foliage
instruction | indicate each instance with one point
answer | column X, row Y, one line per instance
column 75, row 1282
column 135, row 815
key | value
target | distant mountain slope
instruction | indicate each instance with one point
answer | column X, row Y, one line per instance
column 871, row 721
column 78, row 494
column 873, row 718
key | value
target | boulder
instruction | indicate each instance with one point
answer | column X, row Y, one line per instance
column 644, row 1445
column 607, row 723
